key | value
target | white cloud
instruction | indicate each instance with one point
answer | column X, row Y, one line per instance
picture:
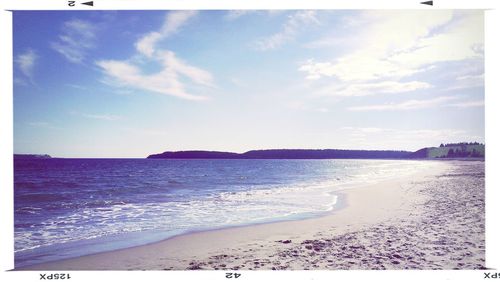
column 165, row 82
column 235, row 14
column 463, row 40
column 232, row 15
column 432, row 137
column 146, row 44
column 365, row 131
column 395, row 44
column 361, row 133
column 26, row 63
column 355, row 68
column 293, row 25
column 406, row 105
column 325, row 42
column 443, row 101
column 405, row 139
column 106, row 117
column 197, row 75
column 76, row 86
column 42, row 125
column 38, row 123
column 77, row 37
column 469, row 81
column 468, row 104
column 371, row 129
column 441, row 134
column 173, row 22
column 365, row 89
column 168, row 80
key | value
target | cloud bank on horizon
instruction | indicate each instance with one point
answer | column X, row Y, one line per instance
column 129, row 83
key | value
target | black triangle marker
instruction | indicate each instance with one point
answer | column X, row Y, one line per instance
column 91, row 3
column 430, row 3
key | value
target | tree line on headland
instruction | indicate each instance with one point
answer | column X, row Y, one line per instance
column 459, row 144
column 444, row 151
column 451, row 150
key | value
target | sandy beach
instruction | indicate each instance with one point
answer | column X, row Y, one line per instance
column 430, row 220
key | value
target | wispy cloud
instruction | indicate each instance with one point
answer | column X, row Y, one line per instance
column 364, row 130
column 106, row 117
column 77, row 38
column 406, row 105
column 406, row 139
column 469, row 81
column 42, row 125
column 38, row 123
column 235, row 14
column 398, row 44
column 232, row 15
column 173, row 22
column 365, row 89
column 168, row 80
column 76, row 86
column 290, row 29
column 385, row 49
column 26, row 63
column 468, row 104
column 147, row 131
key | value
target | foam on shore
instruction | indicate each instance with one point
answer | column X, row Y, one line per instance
column 433, row 220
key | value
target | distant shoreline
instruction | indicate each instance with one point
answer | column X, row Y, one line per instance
column 452, row 151
column 449, row 151
column 194, row 159
column 32, row 156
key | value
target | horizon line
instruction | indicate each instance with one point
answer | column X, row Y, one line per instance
column 243, row 152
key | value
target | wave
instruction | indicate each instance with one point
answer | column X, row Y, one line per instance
column 257, row 198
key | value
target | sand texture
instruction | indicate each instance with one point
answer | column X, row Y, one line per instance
column 431, row 220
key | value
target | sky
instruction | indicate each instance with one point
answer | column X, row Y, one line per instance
column 133, row 83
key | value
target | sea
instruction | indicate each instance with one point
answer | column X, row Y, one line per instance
column 66, row 208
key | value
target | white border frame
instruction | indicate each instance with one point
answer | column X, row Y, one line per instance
column 492, row 138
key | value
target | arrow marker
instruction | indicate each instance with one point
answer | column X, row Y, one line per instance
column 430, row 3
column 91, row 3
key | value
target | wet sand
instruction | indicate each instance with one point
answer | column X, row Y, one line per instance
column 430, row 220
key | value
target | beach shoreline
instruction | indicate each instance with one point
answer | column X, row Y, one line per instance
column 344, row 239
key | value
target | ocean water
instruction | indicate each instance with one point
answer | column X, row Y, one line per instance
column 72, row 207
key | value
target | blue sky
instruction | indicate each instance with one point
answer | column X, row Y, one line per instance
column 132, row 83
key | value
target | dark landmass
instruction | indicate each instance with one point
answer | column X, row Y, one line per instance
column 462, row 150
column 324, row 154
column 285, row 154
column 31, row 156
column 453, row 150
column 195, row 155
